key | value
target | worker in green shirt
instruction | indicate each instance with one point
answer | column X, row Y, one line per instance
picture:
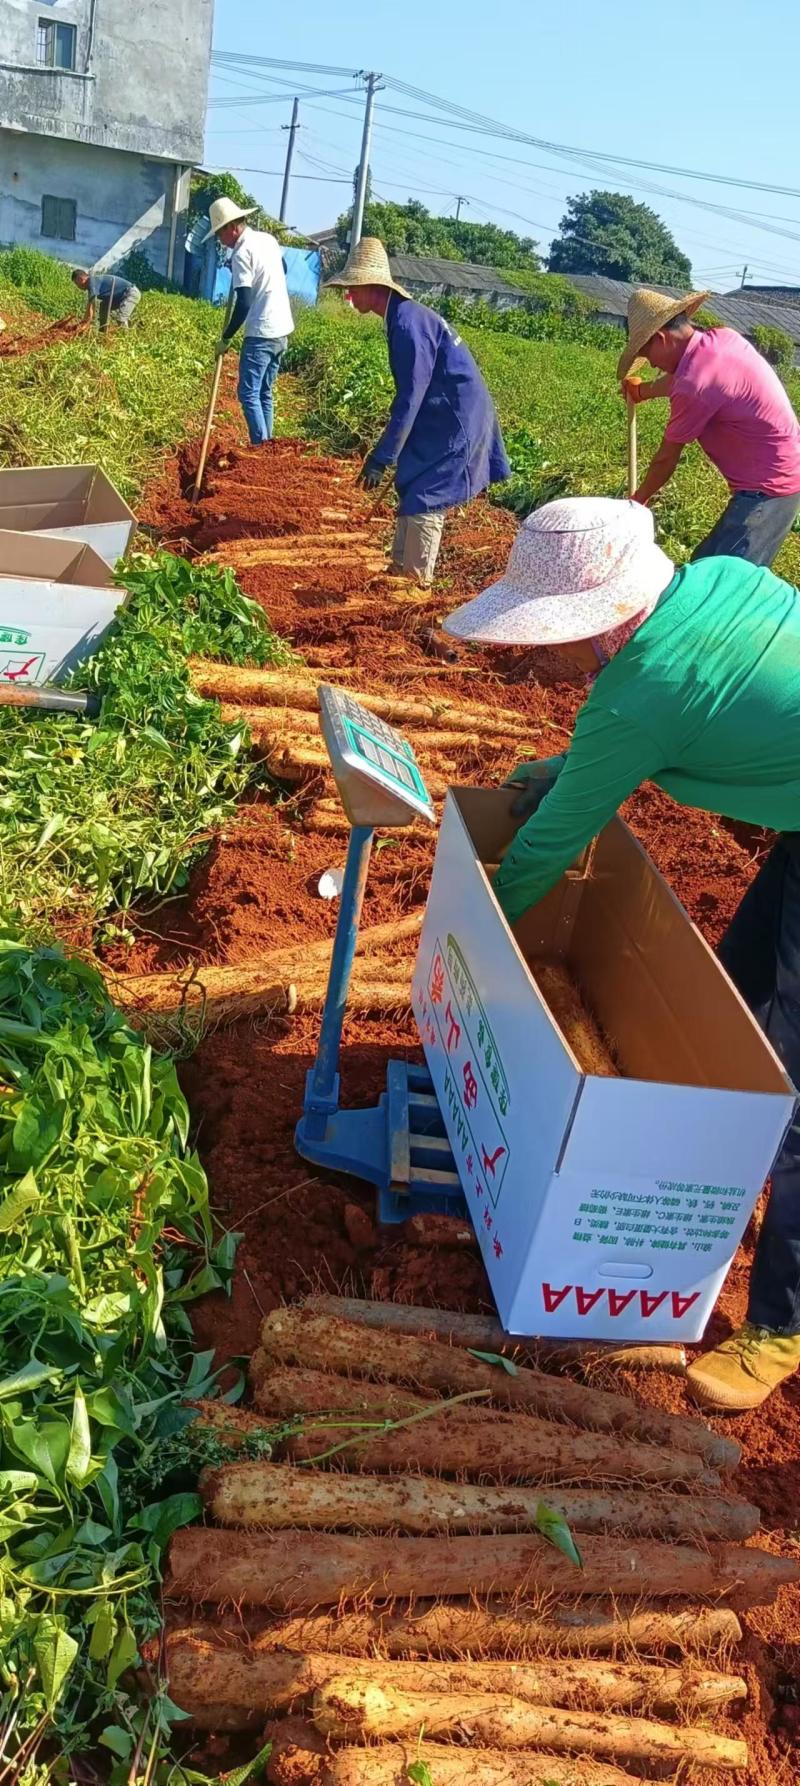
column 695, row 685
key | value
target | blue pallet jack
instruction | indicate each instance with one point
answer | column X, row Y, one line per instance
column 398, row 1145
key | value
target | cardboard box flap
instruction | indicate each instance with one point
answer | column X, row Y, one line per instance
column 620, row 1126
column 40, row 557
column 59, row 496
column 654, row 983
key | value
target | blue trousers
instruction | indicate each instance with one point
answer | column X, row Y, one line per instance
column 753, row 526
column 761, row 952
column 259, row 362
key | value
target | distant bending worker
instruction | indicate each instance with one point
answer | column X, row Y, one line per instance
column 724, row 394
column 442, row 436
column 261, row 303
column 109, row 297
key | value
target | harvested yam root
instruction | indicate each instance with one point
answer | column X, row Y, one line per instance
column 448, row 1765
column 298, row 1571
column 464, row 1440
column 278, row 1497
column 486, row 1334
column 577, row 1023
column 453, row 1629
column 298, row 1336
column 351, row 1708
column 256, row 1677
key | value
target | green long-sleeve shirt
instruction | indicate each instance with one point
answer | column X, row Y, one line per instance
column 704, row 700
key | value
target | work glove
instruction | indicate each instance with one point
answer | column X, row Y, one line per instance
column 631, row 388
column 370, row 475
column 531, row 781
column 222, row 347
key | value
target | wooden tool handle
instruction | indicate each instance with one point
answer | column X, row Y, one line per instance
column 212, row 405
column 633, row 455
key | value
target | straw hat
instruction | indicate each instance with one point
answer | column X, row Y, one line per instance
column 649, row 311
column 222, row 212
column 578, row 567
column 368, row 264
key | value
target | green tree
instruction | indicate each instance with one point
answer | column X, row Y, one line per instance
column 206, row 187
column 410, row 229
column 609, row 233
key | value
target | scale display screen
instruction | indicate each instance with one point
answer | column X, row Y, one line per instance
column 371, row 760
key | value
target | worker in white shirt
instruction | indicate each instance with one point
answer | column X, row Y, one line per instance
column 261, row 303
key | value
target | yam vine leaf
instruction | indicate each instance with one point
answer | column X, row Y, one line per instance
column 498, row 1358
column 554, row 1528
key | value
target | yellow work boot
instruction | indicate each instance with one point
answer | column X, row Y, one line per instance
column 744, row 1370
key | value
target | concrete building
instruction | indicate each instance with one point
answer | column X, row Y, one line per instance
column 102, row 115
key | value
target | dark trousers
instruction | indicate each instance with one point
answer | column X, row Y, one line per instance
column 753, row 526
column 761, row 952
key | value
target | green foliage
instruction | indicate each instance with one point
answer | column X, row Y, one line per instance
column 346, row 379
column 115, row 401
column 45, row 283
column 106, row 1236
column 610, row 233
column 97, row 815
column 775, row 345
column 535, row 321
column 139, row 269
column 410, row 229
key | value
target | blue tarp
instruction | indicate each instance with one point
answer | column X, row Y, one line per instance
column 207, row 277
column 303, row 273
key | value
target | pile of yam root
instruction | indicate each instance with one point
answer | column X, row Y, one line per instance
column 381, row 1591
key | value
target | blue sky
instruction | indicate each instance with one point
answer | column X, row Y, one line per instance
column 705, row 89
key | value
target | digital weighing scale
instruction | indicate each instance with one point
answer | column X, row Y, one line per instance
column 399, row 1145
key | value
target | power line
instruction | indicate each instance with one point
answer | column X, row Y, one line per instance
column 491, row 126
column 748, row 219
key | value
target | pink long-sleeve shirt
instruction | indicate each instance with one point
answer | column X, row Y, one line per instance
column 726, row 396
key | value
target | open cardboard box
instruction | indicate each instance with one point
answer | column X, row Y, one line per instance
column 56, row 602
column 76, row 502
column 606, row 1208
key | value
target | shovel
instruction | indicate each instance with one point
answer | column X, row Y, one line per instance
column 212, row 405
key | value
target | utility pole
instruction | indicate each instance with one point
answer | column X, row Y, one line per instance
column 363, row 166
column 745, row 271
column 292, row 129
column 460, row 200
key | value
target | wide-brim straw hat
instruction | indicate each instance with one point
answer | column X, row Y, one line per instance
column 222, row 212
column 649, row 311
column 578, row 568
column 368, row 264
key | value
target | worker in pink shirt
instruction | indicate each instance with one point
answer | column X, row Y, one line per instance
column 724, row 394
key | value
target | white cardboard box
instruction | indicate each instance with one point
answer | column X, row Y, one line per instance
column 76, row 502
column 606, row 1208
column 56, row 602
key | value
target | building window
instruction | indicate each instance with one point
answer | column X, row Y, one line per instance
column 56, row 44
column 59, row 218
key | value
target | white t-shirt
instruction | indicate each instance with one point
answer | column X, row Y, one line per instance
column 257, row 261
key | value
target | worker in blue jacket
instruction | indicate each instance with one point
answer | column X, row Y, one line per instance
column 442, row 436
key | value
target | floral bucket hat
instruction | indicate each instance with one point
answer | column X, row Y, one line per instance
column 578, row 568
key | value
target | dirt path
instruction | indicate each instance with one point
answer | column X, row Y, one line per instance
column 308, row 546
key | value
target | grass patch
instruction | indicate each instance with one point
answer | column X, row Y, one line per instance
column 117, row 400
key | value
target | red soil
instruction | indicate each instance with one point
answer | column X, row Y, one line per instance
column 256, row 890
column 12, row 346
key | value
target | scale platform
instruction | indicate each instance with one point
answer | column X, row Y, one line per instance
column 399, row 1145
